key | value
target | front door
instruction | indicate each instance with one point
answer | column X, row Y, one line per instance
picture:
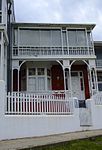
column 77, row 85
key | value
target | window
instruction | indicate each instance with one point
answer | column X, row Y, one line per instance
column 99, row 77
column 39, row 79
column 40, row 71
column 56, row 37
column 48, row 72
column 89, row 39
column 45, row 37
column 77, row 37
column 32, row 71
column 64, row 38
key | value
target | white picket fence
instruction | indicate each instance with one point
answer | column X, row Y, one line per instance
column 38, row 104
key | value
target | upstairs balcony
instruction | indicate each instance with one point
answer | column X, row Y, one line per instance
column 51, row 52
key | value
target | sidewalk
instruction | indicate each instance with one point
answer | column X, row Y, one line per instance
column 38, row 141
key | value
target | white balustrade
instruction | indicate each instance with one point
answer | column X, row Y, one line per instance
column 38, row 104
column 50, row 51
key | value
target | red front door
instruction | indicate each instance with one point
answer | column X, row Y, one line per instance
column 57, row 78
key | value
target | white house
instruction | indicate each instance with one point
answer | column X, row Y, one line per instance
column 48, row 78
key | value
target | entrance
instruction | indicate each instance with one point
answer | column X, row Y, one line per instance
column 78, row 85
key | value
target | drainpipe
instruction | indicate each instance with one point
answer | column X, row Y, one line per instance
column 9, row 53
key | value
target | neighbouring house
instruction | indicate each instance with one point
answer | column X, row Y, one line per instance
column 50, row 77
column 98, row 53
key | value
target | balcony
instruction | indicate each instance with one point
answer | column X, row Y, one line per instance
column 45, row 52
column 99, row 63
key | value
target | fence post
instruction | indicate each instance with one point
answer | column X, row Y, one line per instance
column 2, row 98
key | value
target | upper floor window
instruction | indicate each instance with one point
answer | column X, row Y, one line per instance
column 64, row 37
column 0, row 4
column 39, row 37
column 77, row 37
column 89, row 38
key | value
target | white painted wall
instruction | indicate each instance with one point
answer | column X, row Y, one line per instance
column 12, row 127
column 96, row 111
column 28, row 126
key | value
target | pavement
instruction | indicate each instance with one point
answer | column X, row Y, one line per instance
column 17, row 144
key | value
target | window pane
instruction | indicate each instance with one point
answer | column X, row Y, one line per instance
column 49, row 83
column 41, row 71
column 72, row 39
column 48, row 72
column 81, row 38
column 64, row 38
column 89, row 39
column 29, row 37
column 99, row 76
column 32, row 71
column 100, row 86
column 45, row 37
column 41, row 83
column 56, row 37
column 31, row 84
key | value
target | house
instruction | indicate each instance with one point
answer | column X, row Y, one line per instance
column 50, row 79
column 6, row 17
column 98, row 49
column 54, row 57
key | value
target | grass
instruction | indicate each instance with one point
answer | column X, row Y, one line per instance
column 94, row 143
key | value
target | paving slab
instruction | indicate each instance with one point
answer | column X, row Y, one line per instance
column 22, row 143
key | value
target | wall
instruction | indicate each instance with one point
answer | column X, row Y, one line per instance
column 20, row 126
column 96, row 112
column 29, row 126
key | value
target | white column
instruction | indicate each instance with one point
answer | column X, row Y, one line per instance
column 91, row 84
column 64, row 78
column 70, row 81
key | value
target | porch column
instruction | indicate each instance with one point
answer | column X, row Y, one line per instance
column 70, row 81
column 64, row 79
column 90, row 81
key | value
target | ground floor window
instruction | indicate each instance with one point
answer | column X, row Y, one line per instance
column 39, row 79
column 99, row 77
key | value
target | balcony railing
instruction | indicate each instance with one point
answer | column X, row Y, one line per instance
column 27, row 51
column 99, row 63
